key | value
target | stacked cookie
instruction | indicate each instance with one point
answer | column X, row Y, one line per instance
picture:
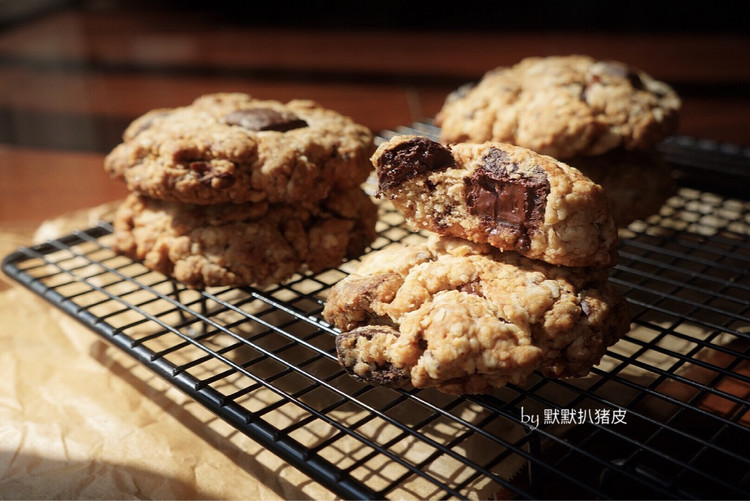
column 603, row 117
column 513, row 277
column 233, row 190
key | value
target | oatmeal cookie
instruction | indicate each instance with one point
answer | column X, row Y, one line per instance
column 562, row 106
column 230, row 147
column 504, row 195
column 465, row 317
column 254, row 243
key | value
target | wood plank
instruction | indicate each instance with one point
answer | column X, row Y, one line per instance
column 90, row 112
column 138, row 38
column 85, row 111
column 37, row 185
column 71, row 81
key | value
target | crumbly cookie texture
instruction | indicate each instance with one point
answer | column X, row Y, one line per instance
column 562, row 106
column 504, row 195
column 636, row 183
column 231, row 147
column 465, row 317
column 243, row 244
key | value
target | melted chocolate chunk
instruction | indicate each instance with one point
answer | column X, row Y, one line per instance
column 504, row 197
column 410, row 159
column 259, row 119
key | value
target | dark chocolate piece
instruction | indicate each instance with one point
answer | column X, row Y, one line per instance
column 410, row 159
column 260, row 119
column 502, row 196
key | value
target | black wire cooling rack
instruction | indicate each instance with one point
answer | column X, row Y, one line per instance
column 665, row 415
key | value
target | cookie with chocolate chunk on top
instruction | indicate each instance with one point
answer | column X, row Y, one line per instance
column 563, row 106
column 231, row 147
column 507, row 196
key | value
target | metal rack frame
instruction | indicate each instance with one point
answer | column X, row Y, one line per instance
column 665, row 415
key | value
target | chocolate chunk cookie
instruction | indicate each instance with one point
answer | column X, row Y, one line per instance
column 466, row 317
column 562, row 106
column 231, row 147
column 254, row 243
column 507, row 196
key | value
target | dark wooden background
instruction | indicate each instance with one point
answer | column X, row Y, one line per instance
column 74, row 74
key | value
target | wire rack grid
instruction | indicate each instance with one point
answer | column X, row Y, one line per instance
column 666, row 413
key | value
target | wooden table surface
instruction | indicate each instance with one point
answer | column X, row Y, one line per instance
column 72, row 78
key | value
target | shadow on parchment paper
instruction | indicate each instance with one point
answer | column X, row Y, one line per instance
column 204, row 424
column 59, row 480
column 300, row 363
column 303, row 366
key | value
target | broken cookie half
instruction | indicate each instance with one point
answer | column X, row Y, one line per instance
column 507, row 196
